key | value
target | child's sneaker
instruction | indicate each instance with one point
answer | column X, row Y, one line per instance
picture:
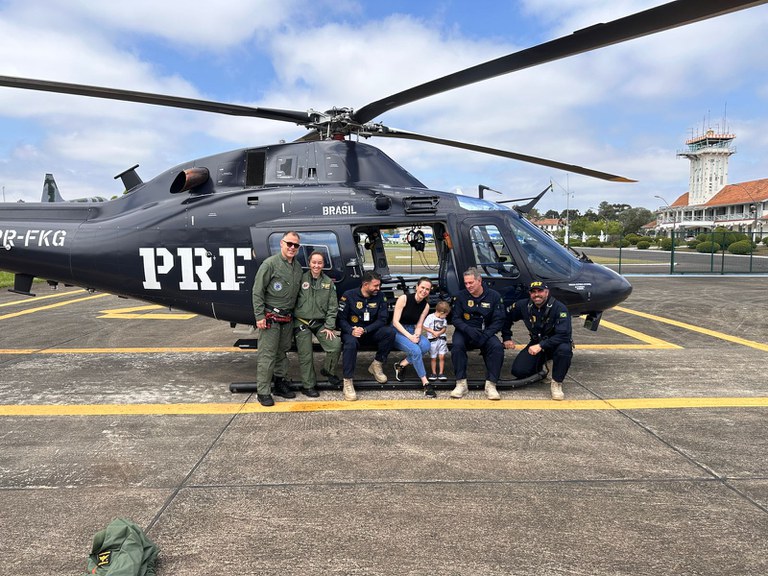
column 441, row 377
column 432, row 377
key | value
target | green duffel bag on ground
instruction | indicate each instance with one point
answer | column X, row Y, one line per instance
column 122, row 549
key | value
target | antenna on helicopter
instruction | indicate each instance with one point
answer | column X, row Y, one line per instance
column 482, row 188
column 533, row 201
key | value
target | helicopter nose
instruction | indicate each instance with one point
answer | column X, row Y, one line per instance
column 610, row 288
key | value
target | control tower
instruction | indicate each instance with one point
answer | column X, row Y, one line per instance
column 709, row 165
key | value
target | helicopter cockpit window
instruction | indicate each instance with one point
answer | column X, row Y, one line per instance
column 491, row 252
column 546, row 258
column 324, row 242
column 286, row 167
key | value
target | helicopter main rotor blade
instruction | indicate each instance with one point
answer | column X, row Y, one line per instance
column 665, row 17
column 395, row 133
column 294, row 116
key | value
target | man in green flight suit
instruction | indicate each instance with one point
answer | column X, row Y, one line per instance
column 275, row 289
column 316, row 314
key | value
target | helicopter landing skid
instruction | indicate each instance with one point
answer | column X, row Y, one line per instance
column 411, row 384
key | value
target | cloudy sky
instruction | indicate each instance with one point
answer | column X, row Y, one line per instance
column 625, row 109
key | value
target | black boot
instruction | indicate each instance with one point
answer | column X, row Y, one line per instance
column 283, row 388
column 333, row 380
column 265, row 399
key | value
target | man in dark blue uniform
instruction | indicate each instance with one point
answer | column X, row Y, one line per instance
column 549, row 328
column 363, row 318
column 478, row 314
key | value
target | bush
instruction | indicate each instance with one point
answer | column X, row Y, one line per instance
column 692, row 243
column 633, row 238
column 576, row 242
column 592, row 242
column 741, row 247
column 723, row 237
column 708, row 247
column 623, row 243
column 666, row 244
column 643, row 245
column 765, row 240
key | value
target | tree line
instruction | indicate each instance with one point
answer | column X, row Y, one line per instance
column 610, row 219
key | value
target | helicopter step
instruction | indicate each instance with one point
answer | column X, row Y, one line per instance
column 408, row 384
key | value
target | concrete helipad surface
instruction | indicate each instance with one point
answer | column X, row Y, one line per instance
column 656, row 463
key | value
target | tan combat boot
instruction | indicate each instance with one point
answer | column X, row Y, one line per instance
column 557, row 390
column 490, row 391
column 461, row 389
column 378, row 373
column 349, row 390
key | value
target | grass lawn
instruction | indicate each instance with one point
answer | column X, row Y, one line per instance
column 6, row 279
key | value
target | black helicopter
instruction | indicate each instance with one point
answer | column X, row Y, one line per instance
column 192, row 237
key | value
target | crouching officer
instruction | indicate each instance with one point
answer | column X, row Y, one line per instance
column 316, row 314
column 363, row 317
column 549, row 328
column 275, row 288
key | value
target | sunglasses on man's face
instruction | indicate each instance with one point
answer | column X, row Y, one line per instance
column 292, row 244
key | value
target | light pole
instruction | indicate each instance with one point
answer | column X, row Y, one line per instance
column 674, row 221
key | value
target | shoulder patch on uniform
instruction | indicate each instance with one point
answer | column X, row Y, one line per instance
column 104, row 558
column 563, row 314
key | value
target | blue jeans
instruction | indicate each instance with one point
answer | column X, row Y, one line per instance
column 414, row 352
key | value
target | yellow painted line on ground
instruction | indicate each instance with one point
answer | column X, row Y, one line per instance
column 699, row 329
column 29, row 300
column 213, row 409
column 137, row 350
column 134, row 313
column 651, row 343
column 50, row 306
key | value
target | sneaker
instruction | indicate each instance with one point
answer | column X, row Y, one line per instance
column 399, row 371
column 432, row 377
column 429, row 391
column 442, row 377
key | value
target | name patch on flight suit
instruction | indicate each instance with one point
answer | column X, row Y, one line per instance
column 485, row 304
